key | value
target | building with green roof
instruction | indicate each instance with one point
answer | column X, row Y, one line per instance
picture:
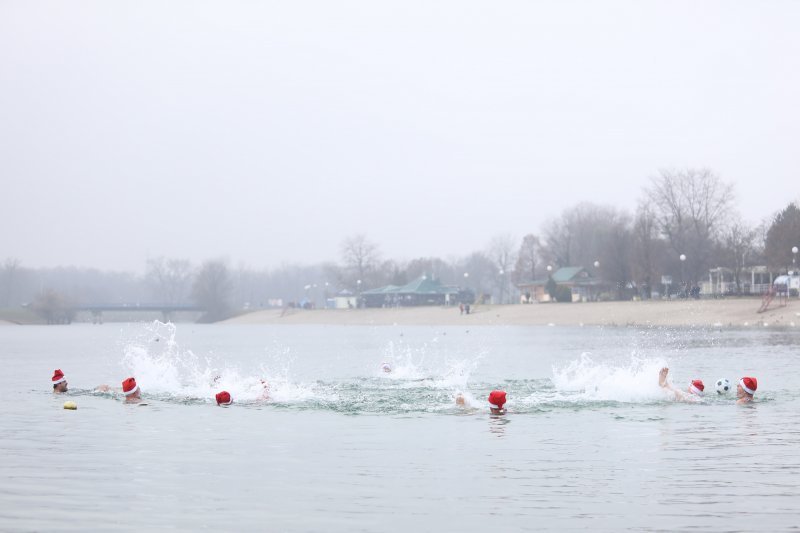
column 421, row 291
column 582, row 284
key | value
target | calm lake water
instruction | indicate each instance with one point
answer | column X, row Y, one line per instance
column 589, row 442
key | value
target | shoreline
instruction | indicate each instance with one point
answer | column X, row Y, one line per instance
column 730, row 313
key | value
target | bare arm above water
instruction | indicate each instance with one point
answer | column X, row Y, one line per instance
column 678, row 395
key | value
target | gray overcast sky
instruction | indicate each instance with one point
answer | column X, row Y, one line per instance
column 267, row 132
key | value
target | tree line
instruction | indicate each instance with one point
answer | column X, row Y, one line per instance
column 685, row 223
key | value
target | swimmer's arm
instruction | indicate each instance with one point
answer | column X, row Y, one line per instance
column 106, row 388
column 664, row 384
column 686, row 397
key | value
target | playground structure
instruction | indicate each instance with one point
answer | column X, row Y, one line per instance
column 779, row 290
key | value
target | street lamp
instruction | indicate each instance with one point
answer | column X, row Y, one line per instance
column 794, row 256
column 502, row 284
column 547, row 288
column 597, row 264
column 682, row 257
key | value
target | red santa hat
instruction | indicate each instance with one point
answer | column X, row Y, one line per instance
column 58, row 377
column 697, row 387
column 749, row 385
column 129, row 386
column 497, row 398
column 224, row 398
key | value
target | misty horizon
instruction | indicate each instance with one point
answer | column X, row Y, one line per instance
column 268, row 134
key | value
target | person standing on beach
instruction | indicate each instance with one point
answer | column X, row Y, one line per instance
column 59, row 382
column 745, row 390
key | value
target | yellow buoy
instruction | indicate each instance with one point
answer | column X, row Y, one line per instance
column 70, row 405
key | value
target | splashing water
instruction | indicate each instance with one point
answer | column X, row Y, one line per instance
column 586, row 380
column 423, row 378
column 166, row 371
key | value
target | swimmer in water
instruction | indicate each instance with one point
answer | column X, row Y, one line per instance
column 497, row 399
column 745, row 390
column 460, row 400
column 132, row 392
column 693, row 393
column 59, row 382
column 264, row 390
column 386, row 367
column 224, row 398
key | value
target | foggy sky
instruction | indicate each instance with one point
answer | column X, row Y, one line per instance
column 266, row 132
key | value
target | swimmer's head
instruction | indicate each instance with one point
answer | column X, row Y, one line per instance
column 59, row 381
column 130, row 389
column 264, row 390
column 696, row 387
column 748, row 386
column 460, row 400
column 497, row 399
column 224, row 398
column 386, row 367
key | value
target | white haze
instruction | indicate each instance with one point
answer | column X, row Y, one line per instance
column 268, row 131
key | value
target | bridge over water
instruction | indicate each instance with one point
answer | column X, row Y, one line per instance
column 166, row 310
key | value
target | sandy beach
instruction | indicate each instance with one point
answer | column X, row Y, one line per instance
column 735, row 313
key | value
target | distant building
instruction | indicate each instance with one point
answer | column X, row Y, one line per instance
column 421, row 291
column 343, row 300
column 753, row 280
column 582, row 285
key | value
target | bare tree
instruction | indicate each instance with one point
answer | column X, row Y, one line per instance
column 478, row 274
column 559, row 236
column 527, row 259
column 616, row 251
column 738, row 244
column 8, row 277
column 169, row 278
column 691, row 207
column 360, row 257
column 212, row 290
column 646, row 250
column 54, row 307
column 501, row 252
column 434, row 267
column 783, row 234
column 576, row 238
